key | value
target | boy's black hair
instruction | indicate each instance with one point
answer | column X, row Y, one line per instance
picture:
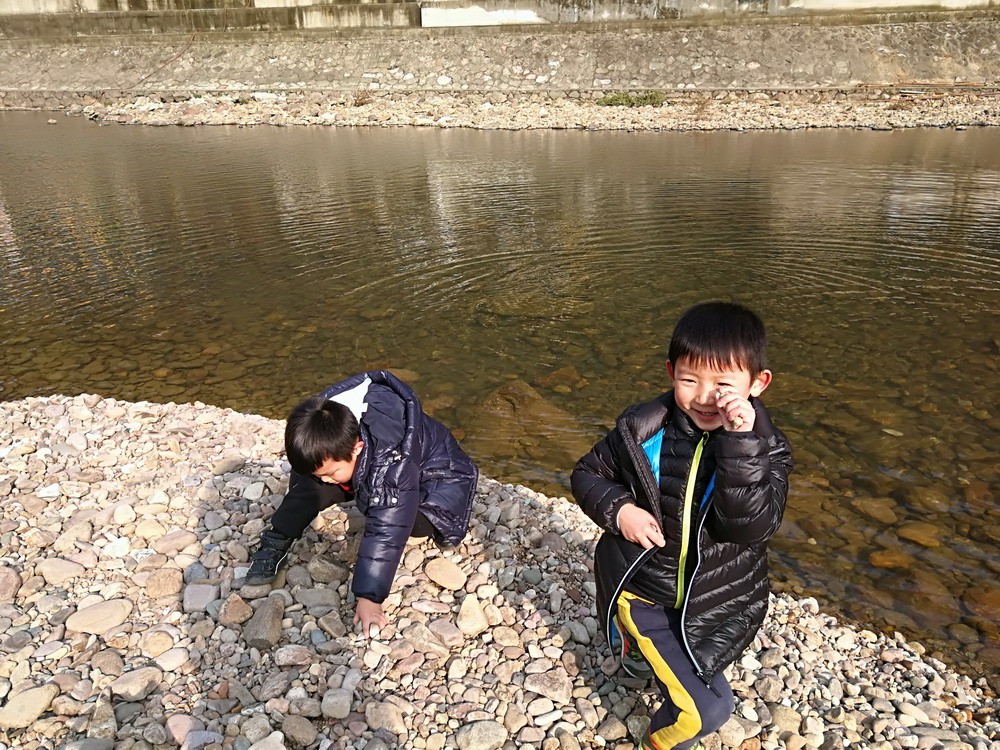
column 720, row 335
column 318, row 430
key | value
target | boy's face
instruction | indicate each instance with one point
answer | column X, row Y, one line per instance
column 333, row 471
column 697, row 388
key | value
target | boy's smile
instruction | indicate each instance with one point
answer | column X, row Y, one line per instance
column 697, row 387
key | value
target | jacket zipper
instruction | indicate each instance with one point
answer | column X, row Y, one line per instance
column 686, row 520
column 646, row 480
column 613, row 601
column 699, row 670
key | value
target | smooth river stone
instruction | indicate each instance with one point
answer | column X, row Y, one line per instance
column 293, row 655
column 337, row 703
column 984, row 600
column 24, row 708
column 234, row 611
column 447, row 632
column 263, row 630
column 164, row 582
column 481, row 735
column 299, row 730
column 90, row 743
column 445, row 574
column 385, row 716
column 173, row 659
column 137, row 684
column 179, row 726
column 197, row 596
column 317, row 597
column 471, row 618
column 920, row 532
column 10, row 582
column 156, row 642
column 174, row 541
column 877, row 509
column 150, row 528
column 101, row 617
column 123, row 514
column 273, row 741
column 57, row 571
column 891, row 558
column 554, row 684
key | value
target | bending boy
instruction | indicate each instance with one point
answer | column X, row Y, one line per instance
column 688, row 488
column 367, row 439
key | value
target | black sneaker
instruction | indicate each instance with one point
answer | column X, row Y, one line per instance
column 443, row 544
column 269, row 559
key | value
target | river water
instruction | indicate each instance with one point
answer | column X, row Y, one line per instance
column 526, row 283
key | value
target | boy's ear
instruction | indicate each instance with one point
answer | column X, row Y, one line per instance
column 356, row 450
column 670, row 369
column 762, row 381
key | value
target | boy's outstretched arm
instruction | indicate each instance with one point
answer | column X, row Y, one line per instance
column 388, row 523
column 751, row 485
column 596, row 484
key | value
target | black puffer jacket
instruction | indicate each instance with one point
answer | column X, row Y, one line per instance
column 410, row 463
column 740, row 487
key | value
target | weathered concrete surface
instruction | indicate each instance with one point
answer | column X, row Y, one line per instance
column 562, row 11
column 764, row 54
column 140, row 23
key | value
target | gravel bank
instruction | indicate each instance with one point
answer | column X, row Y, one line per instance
column 872, row 109
column 125, row 530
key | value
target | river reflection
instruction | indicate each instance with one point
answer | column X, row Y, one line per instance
column 527, row 283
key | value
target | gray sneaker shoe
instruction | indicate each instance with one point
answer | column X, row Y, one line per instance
column 631, row 656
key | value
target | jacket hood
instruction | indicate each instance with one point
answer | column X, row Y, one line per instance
column 389, row 413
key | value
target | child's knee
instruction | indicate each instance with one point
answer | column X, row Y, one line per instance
column 715, row 711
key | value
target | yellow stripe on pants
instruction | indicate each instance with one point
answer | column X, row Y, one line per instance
column 688, row 724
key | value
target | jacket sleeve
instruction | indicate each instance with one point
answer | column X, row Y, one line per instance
column 596, row 482
column 388, row 523
column 751, row 487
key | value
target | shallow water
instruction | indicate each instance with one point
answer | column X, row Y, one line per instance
column 526, row 284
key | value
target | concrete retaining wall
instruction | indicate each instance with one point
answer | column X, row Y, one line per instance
column 501, row 11
column 354, row 15
column 756, row 54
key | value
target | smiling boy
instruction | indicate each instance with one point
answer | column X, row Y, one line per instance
column 688, row 488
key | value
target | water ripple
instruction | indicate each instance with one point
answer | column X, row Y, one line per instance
column 246, row 268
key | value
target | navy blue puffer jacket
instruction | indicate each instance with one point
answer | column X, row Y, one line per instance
column 410, row 463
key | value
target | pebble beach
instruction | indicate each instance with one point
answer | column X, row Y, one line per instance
column 776, row 110
column 125, row 623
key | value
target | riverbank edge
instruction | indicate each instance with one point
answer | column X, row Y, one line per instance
column 867, row 107
column 86, row 476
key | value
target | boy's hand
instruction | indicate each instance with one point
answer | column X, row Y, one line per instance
column 639, row 526
column 369, row 613
column 736, row 412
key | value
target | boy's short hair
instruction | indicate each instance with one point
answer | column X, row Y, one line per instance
column 318, row 430
column 720, row 335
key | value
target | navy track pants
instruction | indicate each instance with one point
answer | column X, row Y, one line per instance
column 690, row 709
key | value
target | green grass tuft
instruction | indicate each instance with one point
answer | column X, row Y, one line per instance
column 626, row 99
